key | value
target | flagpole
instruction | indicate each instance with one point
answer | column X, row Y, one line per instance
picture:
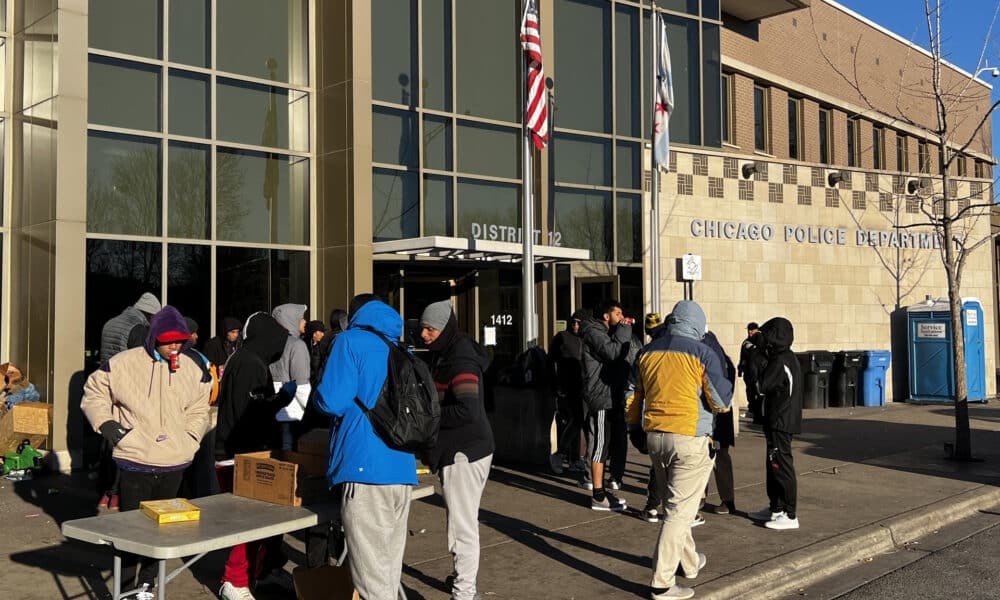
column 654, row 196
column 527, row 219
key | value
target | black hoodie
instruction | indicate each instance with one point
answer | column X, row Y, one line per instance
column 781, row 382
column 247, row 402
column 219, row 349
column 457, row 364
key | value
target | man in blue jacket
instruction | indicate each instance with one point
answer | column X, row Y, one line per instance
column 376, row 479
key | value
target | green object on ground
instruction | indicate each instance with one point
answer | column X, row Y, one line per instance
column 25, row 458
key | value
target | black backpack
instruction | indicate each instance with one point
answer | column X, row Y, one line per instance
column 407, row 412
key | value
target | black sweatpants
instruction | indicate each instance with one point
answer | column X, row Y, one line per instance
column 136, row 487
column 781, row 484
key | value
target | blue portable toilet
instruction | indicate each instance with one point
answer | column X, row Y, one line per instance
column 931, row 375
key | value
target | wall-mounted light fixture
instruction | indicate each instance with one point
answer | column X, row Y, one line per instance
column 913, row 186
column 748, row 168
column 835, row 177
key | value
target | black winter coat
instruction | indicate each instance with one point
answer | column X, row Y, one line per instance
column 247, row 402
column 457, row 364
column 781, row 382
column 724, row 432
column 601, row 349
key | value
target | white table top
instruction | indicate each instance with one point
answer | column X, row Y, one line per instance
column 226, row 521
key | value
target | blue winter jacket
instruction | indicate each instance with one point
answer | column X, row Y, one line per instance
column 357, row 369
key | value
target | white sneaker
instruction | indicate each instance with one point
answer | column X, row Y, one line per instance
column 229, row 591
column 698, row 520
column 614, row 484
column 764, row 515
column 782, row 521
column 675, row 592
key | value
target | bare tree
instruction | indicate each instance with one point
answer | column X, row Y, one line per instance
column 962, row 113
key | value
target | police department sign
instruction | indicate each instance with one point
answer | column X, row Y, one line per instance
column 812, row 234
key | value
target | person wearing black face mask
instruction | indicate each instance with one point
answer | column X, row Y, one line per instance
column 464, row 450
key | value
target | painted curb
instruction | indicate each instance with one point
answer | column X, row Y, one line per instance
column 788, row 573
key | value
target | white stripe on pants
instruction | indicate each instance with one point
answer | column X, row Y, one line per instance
column 374, row 518
column 682, row 467
column 462, row 484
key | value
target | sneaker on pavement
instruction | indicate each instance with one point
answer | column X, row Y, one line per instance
column 614, row 484
column 698, row 520
column 651, row 514
column 782, row 521
column 674, row 592
column 608, row 503
column 585, row 483
column 229, row 591
column 702, row 561
column 578, row 466
column 555, row 463
column 764, row 515
column 114, row 502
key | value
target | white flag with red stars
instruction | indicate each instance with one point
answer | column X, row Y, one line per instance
column 664, row 105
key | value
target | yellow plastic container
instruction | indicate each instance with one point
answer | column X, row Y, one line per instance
column 176, row 510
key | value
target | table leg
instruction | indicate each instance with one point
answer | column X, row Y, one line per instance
column 161, row 580
column 116, row 586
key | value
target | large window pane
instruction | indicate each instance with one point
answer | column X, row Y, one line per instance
column 189, row 32
column 395, row 205
column 489, row 150
column 685, row 121
column 253, row 279
column 189, row 281
column 437, row 54
column 394, row 51
column 488, row 211
column 794, row 127
column 437, row 143
column 189, row 103
column 760, row 116
column 39, row 61
column 262, row 197
column 583, row 46
column 264, row 38
column 628, row 220
column 118, row 272
column 264, row 115
column 188, row 182
column 582, row 160
column 123, row 184
column 584, row 220
column 627, row 75
column 688, row 6
column 488, row 66
column 628, row 163
column 395, row 137
column 713, row 92
column 438, row 205
column 124, row 94
column 127, row 26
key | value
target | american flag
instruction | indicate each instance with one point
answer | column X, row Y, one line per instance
column 536, row 114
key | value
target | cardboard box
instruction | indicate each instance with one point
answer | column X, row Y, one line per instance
column 26, row 421
column 315, row 442
column 324, row 583
column 280, row 477
column 176, row 510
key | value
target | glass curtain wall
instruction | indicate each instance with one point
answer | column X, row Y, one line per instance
column 199, row 157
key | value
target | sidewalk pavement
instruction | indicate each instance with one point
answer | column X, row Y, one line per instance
column 870, row 480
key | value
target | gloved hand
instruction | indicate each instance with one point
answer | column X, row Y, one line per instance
column 113, row 431
column 638, row 438
column 288, row 389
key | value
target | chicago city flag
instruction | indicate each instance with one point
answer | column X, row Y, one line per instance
column 664, row 104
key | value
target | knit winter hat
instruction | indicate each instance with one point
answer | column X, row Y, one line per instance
column 148, row 303
column 436, row 315
column 653, row 322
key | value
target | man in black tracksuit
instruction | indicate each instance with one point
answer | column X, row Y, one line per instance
column 606, row 339
column 781, row 387
column 751, row 365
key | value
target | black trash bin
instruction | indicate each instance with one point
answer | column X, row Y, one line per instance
column 846, row 372
column 816, row 366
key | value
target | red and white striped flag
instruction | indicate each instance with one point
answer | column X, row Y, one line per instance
column 536, row 114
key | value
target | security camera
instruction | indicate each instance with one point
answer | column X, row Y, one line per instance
column 995, row 72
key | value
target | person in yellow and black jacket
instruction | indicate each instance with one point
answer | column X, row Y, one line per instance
column 680, row 385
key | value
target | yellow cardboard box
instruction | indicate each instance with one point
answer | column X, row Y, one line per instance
column 176, row 510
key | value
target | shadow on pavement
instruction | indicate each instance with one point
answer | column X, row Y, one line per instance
column 71, row 560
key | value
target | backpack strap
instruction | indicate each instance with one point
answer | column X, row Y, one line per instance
column 388, row 343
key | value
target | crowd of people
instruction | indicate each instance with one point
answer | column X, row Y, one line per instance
column 672, row 398
column 276, row 375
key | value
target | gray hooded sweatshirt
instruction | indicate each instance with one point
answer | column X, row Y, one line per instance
column 294, row 362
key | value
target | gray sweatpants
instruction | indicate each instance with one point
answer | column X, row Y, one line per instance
column 462, row 484
column 374, row 518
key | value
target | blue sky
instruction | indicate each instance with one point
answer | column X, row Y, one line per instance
column 966, row 27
